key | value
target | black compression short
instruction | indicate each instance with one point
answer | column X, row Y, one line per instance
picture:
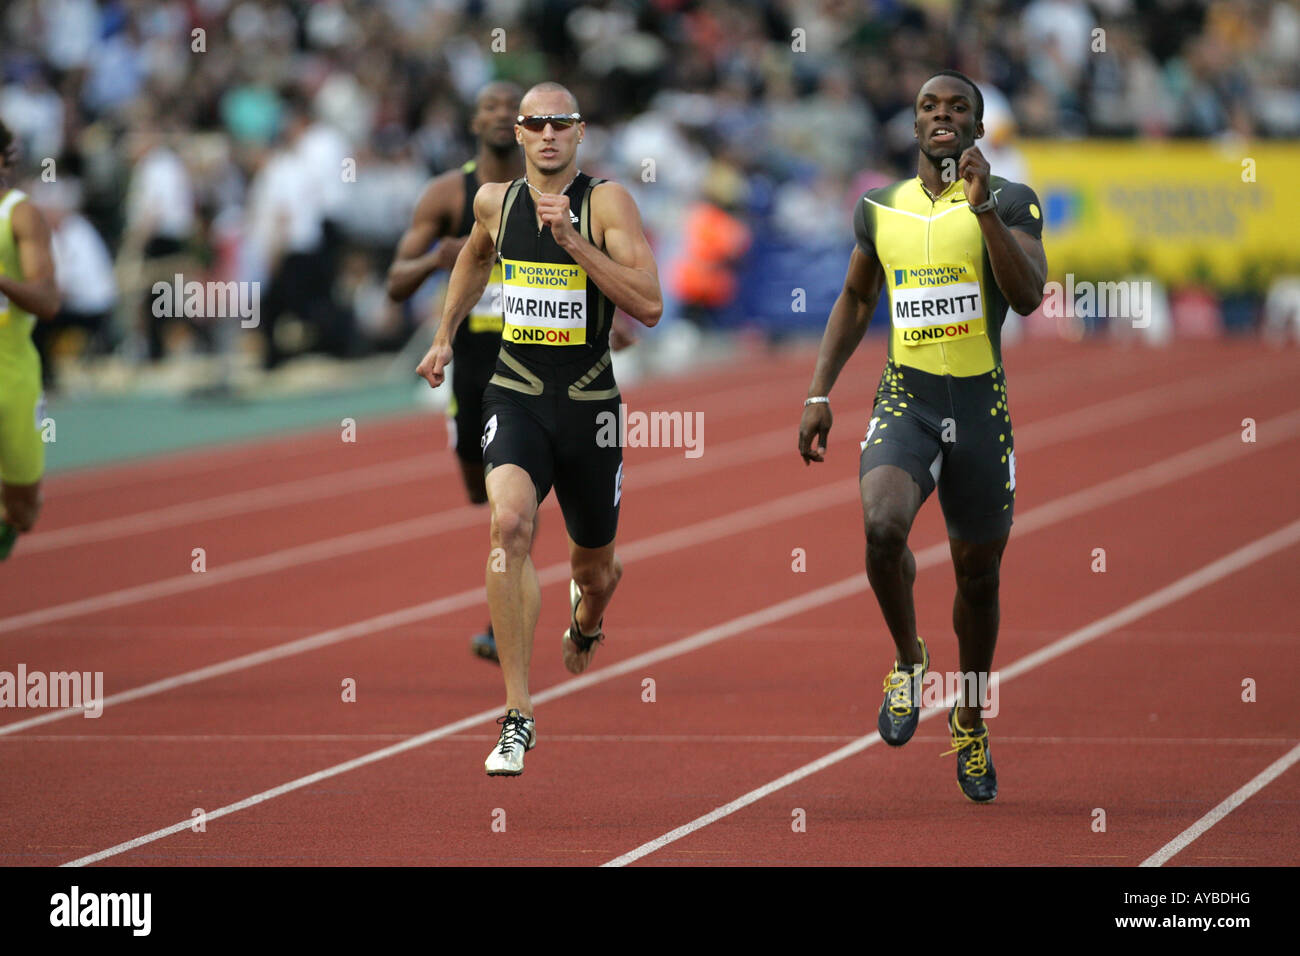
column 950, row 433
column 553, row 437
column 469, row 379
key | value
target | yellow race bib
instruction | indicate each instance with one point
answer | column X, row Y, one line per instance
column 544, row 303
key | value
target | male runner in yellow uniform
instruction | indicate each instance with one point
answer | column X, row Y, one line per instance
column 956, row 246
column 27, row 290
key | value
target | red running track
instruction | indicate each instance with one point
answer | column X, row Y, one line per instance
column 328, row 561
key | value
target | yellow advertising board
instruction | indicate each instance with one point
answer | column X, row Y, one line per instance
column 1226, row 212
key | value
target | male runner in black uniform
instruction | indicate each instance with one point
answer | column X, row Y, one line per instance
column 445, row 212
column 956, row 246
column 571, row 249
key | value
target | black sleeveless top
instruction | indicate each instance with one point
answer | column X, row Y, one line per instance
column 557, row 320
column 479, row 336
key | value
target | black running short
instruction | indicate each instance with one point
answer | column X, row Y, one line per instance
column 469, row 379
column 562, row 442
column 953, row 433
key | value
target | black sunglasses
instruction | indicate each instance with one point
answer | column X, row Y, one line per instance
column 538, row 123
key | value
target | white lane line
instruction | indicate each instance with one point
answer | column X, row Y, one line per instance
column 1152, row 476
column 770, row 444
column 797, row 605
column 1149, row 401
column 747, row 622
column 383, row 475
column 294, row 557
column 1170, row 594
column 663, row 471
column 1258, row 783
column 733, row 401
column 746, row 519
column 179, row 462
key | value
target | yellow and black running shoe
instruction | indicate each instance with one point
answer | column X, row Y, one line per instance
column 975, row 773
column 901, row 710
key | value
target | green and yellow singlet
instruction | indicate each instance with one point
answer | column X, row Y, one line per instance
column 15, row 323
column 22, row 453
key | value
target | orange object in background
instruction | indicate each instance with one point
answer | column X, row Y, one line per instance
column 715, row 241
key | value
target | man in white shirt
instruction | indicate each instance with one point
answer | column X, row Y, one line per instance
column 84, row 271
column 159, row 223
column 286, row 216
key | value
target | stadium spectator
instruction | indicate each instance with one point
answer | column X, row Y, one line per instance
column 84, row 271
column 802, row 98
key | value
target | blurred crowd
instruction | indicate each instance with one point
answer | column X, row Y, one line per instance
column 286, row 141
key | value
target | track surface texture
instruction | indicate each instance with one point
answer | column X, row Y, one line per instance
column 729, row 719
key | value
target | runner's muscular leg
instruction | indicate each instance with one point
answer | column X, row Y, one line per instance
column 597, row 571
column 514, row 595
column 975, row 613
column 890, row 501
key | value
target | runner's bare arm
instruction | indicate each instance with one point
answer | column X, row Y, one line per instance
column 37, row 292
column 469, row 277
column 845, row 327
column 848, row 319
column 434, row 214
column 628, row 274
column 1018, row 260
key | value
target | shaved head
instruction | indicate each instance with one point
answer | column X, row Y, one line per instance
column 552, row 94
